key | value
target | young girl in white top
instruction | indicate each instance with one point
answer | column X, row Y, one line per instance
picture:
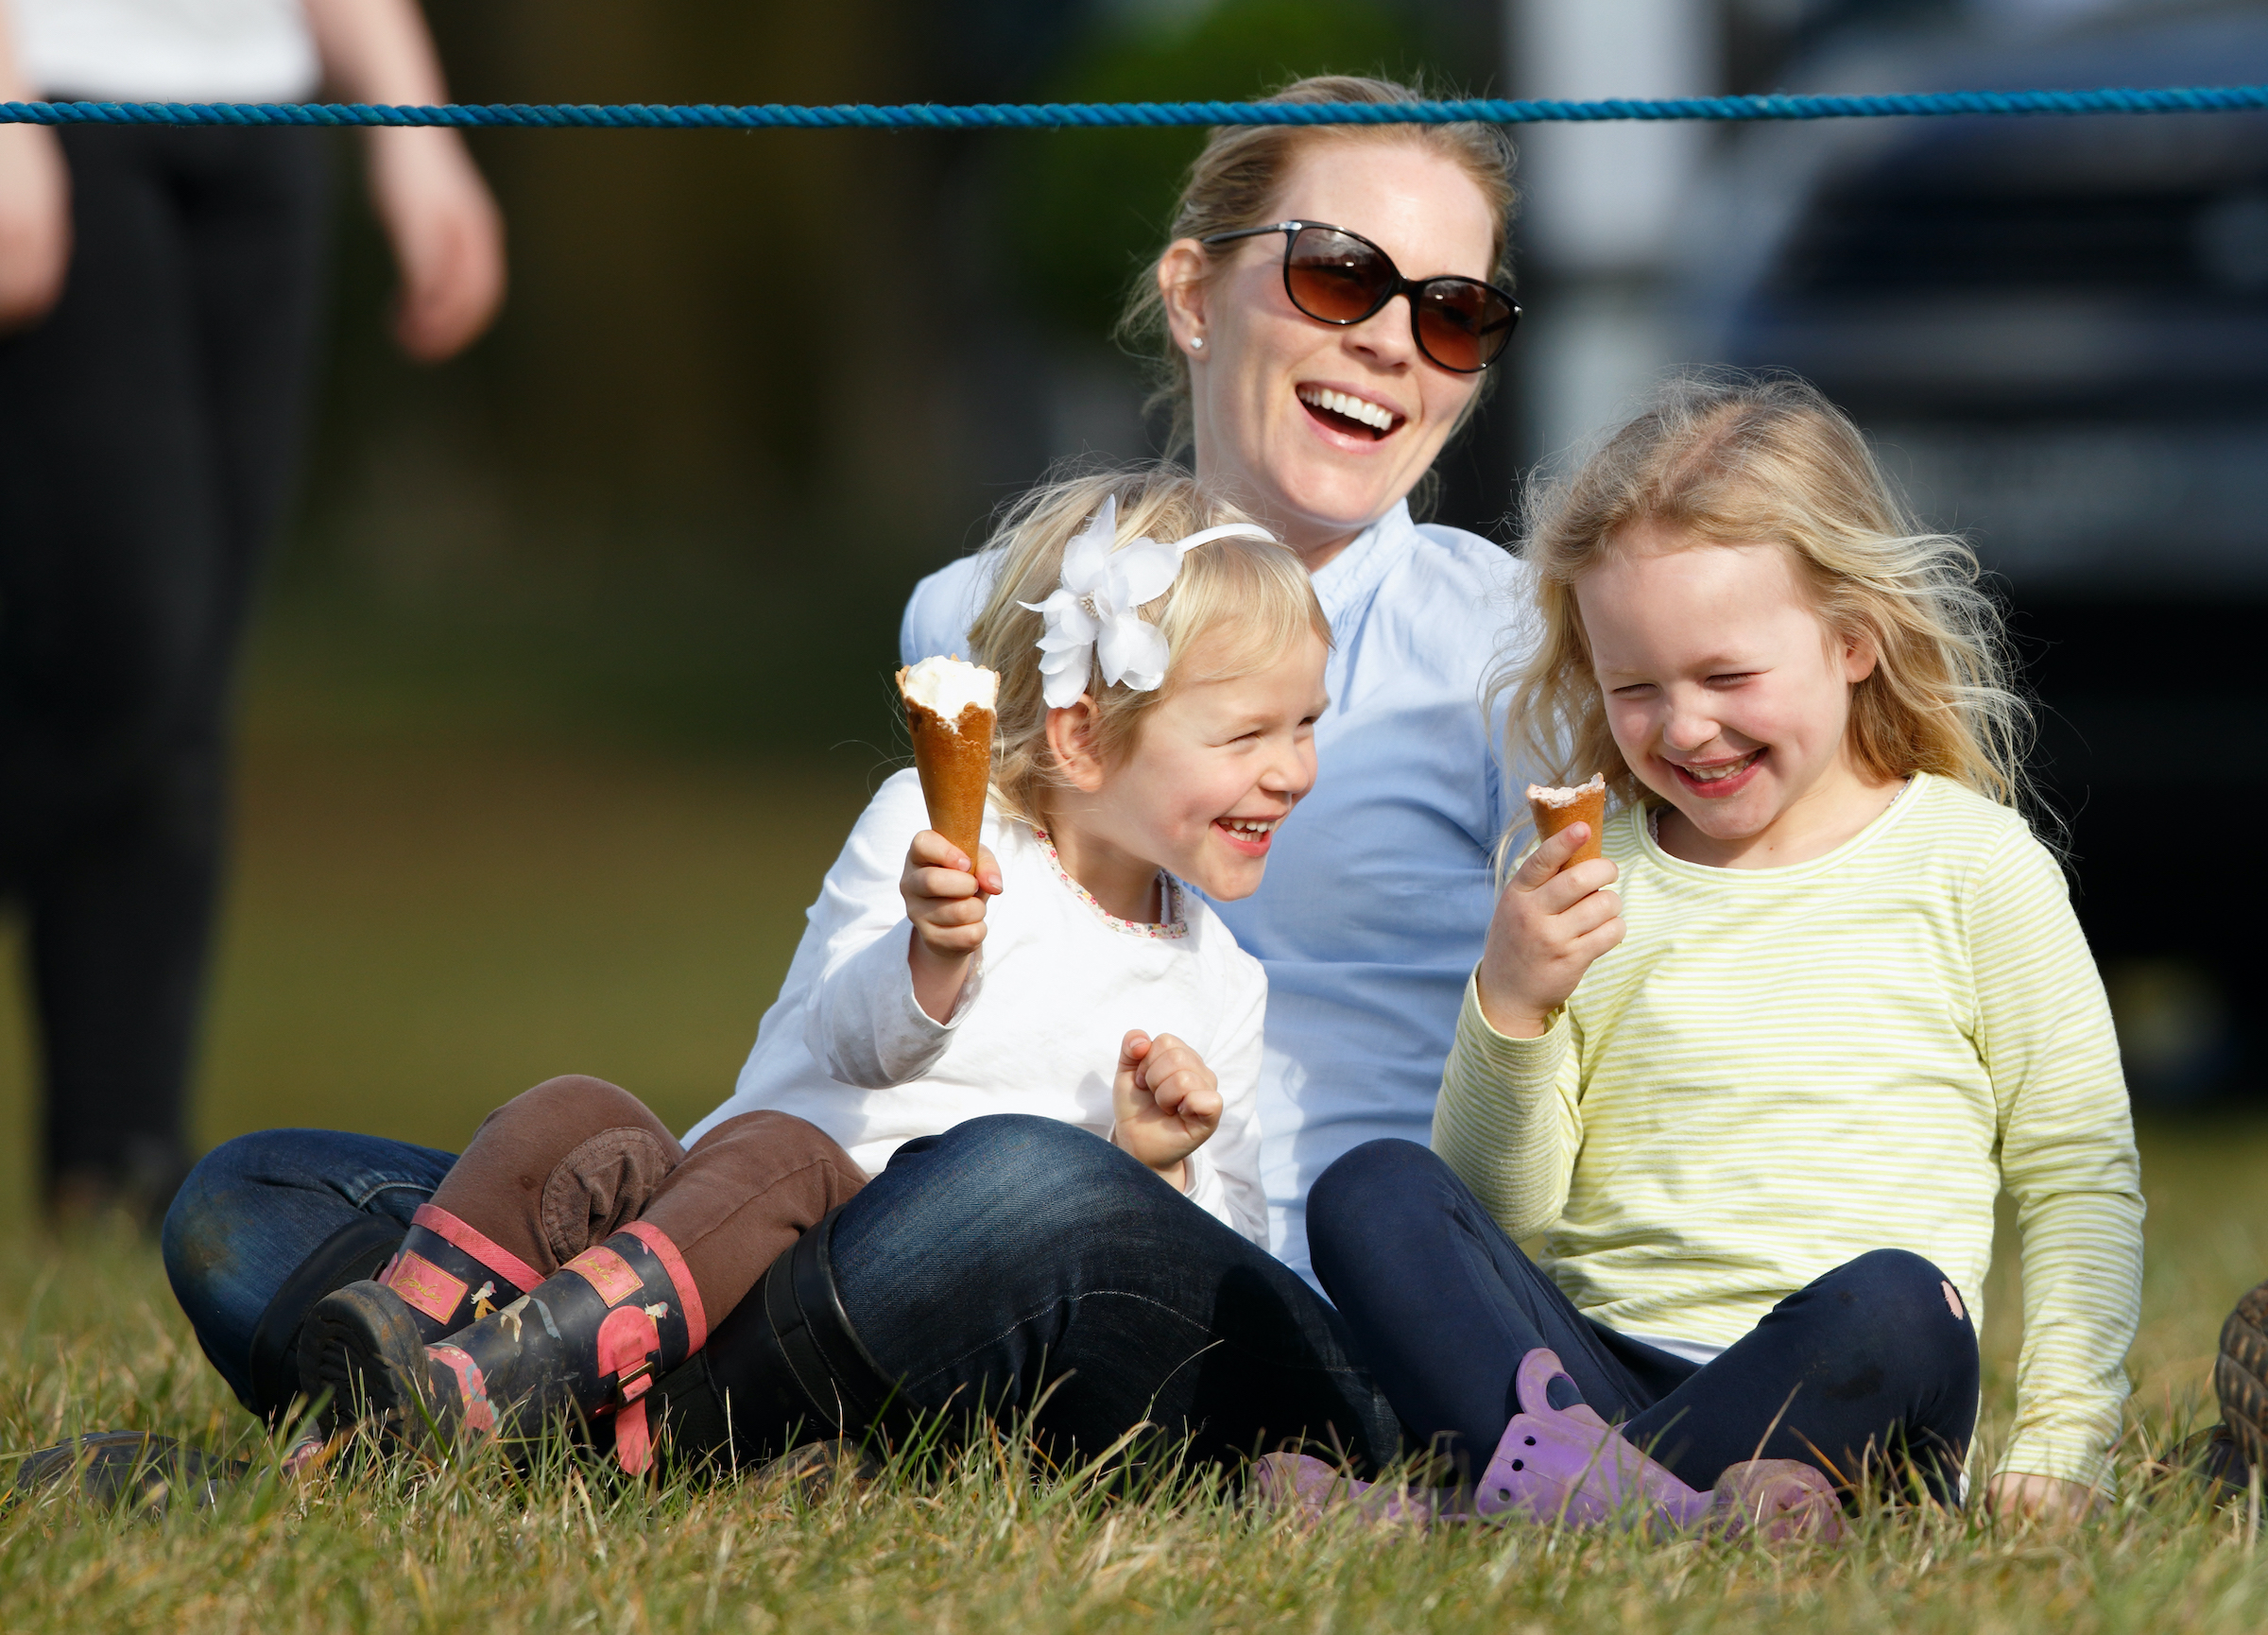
column 1756, row 1076
column 1161, row 670
column 1147, row 738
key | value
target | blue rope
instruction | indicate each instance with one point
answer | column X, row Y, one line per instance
column 938, row 116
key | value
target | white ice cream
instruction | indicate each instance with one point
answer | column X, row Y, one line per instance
column 1545, row 797
column 948, row 686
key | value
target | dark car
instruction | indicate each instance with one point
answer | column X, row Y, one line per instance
column 2056, row 331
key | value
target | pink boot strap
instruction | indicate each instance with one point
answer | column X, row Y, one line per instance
column 629, row 1344
column 483, row 1248
column 689, row 1294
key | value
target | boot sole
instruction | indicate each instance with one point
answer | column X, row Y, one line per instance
column 361, row 1344
column 2241, row 1376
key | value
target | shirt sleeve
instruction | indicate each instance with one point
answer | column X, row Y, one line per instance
column 1510, row 1120
column 1224, row 1174
column 864, row 1024
column 2043, row 1031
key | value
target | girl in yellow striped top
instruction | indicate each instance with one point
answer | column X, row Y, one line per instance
column 1755, row 1077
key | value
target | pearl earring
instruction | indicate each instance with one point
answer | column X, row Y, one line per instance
column 1196, row 343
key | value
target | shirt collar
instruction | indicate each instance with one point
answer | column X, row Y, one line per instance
column 1345, row 582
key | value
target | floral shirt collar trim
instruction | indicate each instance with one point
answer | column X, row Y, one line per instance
column 1175, row 924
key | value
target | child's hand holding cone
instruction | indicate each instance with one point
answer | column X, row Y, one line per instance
column 949, row 710
column 1555, row 915
column 948, row 874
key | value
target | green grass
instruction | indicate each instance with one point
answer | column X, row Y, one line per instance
column 423, row 925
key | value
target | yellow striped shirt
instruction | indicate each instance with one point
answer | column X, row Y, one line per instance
column 1782, row 1069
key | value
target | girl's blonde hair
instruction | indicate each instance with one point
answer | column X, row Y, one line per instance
column 1237, row 180
column 1728, row 458
column 1253, row 587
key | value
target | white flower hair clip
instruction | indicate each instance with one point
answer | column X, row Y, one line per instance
column 1095, row 615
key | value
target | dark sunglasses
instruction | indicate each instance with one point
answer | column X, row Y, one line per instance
column 1339, row 277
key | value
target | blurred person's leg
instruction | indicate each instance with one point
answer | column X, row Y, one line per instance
column 269, row 1223
column 148, row 431
column 1026, row 1266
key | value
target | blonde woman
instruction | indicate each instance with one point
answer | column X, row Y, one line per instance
column 1756, row 1076
column 1324, row 318
column 1324, row 315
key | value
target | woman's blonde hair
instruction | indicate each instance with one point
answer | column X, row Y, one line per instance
column 1252, row 585
column 1235, row 182
column 1728, row 458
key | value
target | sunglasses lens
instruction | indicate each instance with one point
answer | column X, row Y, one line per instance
column 1464, row 324
column 1334, row 276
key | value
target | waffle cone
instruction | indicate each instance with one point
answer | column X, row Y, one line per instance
column 1588, row 805
column 955, row 761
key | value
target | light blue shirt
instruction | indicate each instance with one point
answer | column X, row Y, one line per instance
column 1379, row 890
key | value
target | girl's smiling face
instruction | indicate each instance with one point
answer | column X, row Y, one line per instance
column 1216, row 766
column 1730, row 697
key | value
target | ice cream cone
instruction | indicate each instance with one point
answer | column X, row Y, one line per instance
column 1555, row 809
column 949, row 712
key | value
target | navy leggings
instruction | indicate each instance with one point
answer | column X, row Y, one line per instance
column 1870, row 1360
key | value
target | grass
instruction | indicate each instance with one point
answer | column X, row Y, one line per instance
column 423, row 925
column 986, row 1540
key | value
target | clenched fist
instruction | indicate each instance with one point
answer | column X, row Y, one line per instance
column 1166, row 1102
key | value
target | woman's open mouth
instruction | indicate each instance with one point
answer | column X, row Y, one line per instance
column 1349, row 415
column 1249, row 835
column 1719, row 779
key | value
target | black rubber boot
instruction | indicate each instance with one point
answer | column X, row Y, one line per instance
column 2241, row 1377
column 449, row 1275
column 590, row 1342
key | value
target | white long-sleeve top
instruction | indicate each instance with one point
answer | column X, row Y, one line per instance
column 1036, row 1029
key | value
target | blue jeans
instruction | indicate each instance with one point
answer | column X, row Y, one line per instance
column 255, row 1208
column 984, row 1265
column 1443, row 1306
column 1020, row 1264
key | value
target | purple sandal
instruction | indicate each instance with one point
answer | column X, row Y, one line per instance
column 1568, row 1464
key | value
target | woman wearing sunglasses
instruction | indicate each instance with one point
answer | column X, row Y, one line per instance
column 1322, row 322
column 1325, row 314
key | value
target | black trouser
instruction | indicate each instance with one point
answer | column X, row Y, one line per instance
column 148, row 430
column 1868, row 1363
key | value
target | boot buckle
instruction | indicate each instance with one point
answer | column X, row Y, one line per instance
column 634, row 1382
